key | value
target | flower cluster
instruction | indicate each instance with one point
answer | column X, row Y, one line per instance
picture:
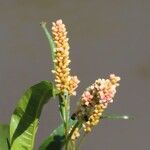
column 75, row 135
column 95, row 99
column 64, row 81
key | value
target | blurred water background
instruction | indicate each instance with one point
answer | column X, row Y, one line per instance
column 106, row 36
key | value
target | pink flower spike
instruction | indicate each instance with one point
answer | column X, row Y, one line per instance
column 86, row 97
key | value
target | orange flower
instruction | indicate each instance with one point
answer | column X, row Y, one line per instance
column 64, row 81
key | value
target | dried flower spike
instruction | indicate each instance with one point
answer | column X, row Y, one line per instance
column 75, row 135
column 64, row 81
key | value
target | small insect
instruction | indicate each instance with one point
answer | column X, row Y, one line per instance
column 86, row 118
column 74, row 115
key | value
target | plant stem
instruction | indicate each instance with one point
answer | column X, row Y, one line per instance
column 67, row 113
column 73, row 146
column 64, row 107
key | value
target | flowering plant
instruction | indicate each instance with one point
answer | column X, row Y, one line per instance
column 20, row 133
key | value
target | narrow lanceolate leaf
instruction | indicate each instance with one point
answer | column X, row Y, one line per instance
column 4, row 137
column 56, row 139
column 25, row 119
column 50, row 40
column 113, row 116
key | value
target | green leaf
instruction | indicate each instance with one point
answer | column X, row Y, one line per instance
column 4, row 137
column 114, row 116
column 25, row 119
column 56, row 139
column 50, row 40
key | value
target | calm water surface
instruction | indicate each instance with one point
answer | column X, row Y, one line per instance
column 105, row 37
